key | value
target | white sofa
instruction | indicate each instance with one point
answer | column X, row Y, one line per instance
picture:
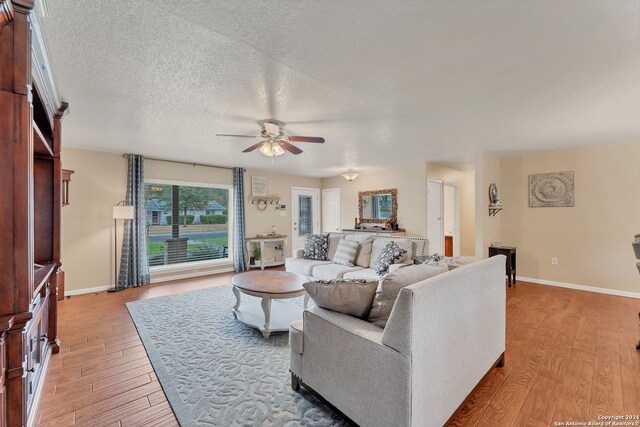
column 370, row 247
column 443, row 336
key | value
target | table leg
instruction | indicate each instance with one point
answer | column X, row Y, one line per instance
column 306, row 300
column 266, row 308
column 236, row 292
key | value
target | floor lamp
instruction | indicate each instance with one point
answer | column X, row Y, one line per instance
column 120, row 211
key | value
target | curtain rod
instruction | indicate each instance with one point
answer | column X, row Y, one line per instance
column 183, row 163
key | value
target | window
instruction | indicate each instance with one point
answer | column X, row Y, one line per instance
column 186, row 223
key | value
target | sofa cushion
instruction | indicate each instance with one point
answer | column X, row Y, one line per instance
column 352, row 297
column 390, row 286
column 363, row 259
column 303, row 266
column 296, row 336
column 406, row 244
column 316, row 247
column 391, row 254
column 331, row 271
column 334, row 241
column 367, row 274
column 459, row 261
column 346, row 253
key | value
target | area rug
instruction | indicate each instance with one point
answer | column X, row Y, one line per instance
column 217, row 371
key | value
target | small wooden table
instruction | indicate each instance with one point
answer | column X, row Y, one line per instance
column 269, row 286
column 510, row 253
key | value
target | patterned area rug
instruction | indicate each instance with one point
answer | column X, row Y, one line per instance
column 217, row 371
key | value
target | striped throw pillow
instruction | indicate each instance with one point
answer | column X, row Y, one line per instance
column 346, row 253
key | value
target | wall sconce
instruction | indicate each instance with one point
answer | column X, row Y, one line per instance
column 350, row 175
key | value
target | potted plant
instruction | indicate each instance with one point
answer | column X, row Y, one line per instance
column 255, row 255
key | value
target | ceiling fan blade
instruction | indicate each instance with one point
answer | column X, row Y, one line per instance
column 253, row 147
column 316, row 139
column 236, row 136
column 271, row 129
column 290, row 148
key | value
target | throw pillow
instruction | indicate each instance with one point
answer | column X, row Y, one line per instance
column 363, row 259
column 389, row 255
column 346, row 253
column 352, row 297
column 391, row 285
column 316, row 247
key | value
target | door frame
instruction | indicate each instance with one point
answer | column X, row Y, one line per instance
column 337, row 189
column 316, row 212
column 456, row 215
column 440, row 182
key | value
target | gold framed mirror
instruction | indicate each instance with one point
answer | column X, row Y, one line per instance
column 377, row 206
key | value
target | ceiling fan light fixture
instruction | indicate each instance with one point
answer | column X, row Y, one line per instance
column 350, row 175
column 271, row 149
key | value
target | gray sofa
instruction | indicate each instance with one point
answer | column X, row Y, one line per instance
column 444, row 334
column 370, row 247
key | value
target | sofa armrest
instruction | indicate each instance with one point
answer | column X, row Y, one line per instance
column 351, row 324
column 298, row 253
column 345, row 361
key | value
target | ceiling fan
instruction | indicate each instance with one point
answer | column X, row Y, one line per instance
column 272, row 140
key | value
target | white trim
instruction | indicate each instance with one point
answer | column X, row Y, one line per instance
column 456, row 215
column 186, row 266
column 190, row 275
column 581, row 287
column 87, row 290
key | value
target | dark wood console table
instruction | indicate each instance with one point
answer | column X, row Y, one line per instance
column 510, row 253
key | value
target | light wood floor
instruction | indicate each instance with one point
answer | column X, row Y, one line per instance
column 570, row 357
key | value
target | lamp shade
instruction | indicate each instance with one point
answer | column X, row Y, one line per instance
column 350, row 175
column 123, row 212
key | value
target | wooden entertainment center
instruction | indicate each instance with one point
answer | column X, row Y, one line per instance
column 31, row 200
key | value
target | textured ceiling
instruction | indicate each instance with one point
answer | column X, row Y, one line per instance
column 386, row 83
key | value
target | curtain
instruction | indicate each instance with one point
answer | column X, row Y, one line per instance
column 239, row 241
column 134, row 265
column 375, row 206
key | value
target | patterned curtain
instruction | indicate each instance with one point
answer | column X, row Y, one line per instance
column 239, row 242
column 134, row 265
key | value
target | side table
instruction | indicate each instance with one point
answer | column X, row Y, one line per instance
column 510, row 253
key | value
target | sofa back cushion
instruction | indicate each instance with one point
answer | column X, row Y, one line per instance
column 391, row 285
column 346, row 253
column 363, row 258
column 316, row 247
column 352, row 297
column 334, row 240
column 380, row 243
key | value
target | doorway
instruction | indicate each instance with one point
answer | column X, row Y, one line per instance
column 331, row 210
column 443, row 218
column 305, row 215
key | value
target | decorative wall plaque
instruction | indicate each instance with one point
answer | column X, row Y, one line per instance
column 551, row 189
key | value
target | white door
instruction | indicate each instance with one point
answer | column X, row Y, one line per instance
column 435, row 228
column 305, row 215
column 331, row 210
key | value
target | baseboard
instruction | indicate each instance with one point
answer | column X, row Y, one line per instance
column 86, row 290
column 581, row 287
column 188, row 275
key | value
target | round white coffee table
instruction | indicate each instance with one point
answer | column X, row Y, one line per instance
column 270, row 314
